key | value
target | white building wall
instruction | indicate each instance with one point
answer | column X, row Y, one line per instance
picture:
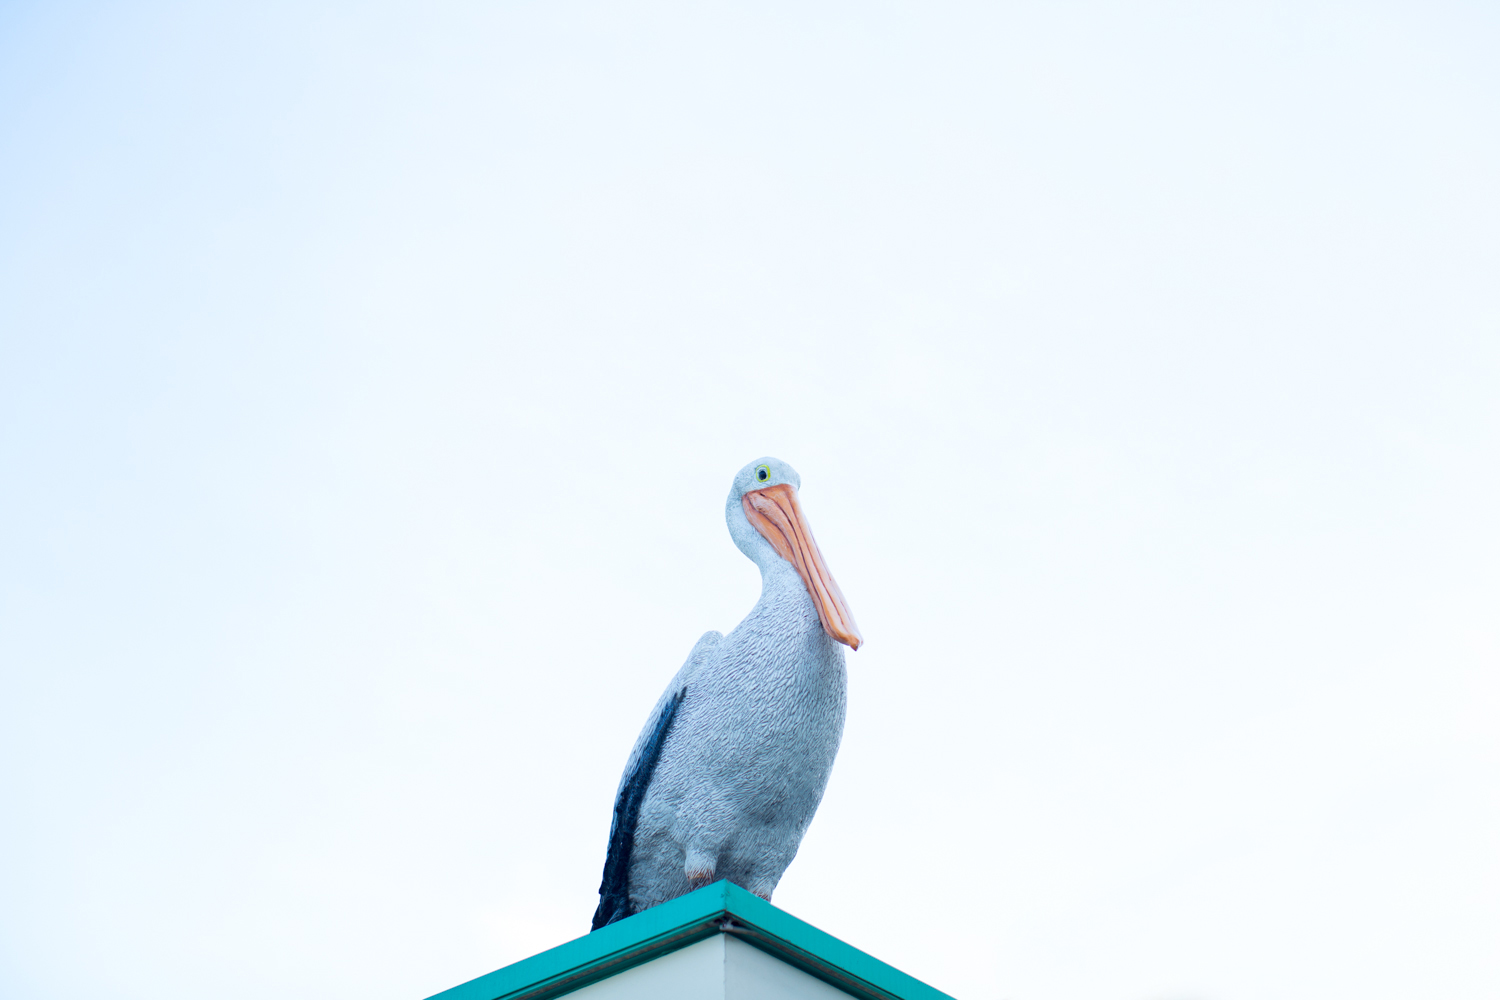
column 720, row 968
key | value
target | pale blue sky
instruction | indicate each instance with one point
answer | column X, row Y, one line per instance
column 371, row 378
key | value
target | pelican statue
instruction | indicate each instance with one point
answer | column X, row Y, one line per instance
column 732, row 763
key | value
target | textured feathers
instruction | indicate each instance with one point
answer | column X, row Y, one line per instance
column 749, row 754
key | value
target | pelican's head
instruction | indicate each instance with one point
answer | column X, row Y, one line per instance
column 766, row 522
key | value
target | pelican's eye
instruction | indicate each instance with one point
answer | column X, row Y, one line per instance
column 762, row 472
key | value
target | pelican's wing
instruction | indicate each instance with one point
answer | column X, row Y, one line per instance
column 614, row 891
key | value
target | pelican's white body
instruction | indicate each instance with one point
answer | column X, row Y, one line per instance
column 747, row 756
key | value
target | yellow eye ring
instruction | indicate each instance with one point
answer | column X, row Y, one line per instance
column 762, row 473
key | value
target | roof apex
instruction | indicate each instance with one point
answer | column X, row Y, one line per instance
column 720, row 908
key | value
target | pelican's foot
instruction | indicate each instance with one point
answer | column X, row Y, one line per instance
column 698, row 868
column 763, row 889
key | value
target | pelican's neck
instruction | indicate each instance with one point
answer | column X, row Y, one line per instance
column 777, row 576
column 784, row 600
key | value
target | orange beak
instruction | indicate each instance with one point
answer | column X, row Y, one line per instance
column 777, row 515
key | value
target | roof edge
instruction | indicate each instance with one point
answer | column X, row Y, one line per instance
column 722, row 907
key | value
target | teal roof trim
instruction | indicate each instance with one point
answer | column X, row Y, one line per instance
column 720, row 908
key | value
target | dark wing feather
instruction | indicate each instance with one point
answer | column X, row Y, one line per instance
column 614, row 890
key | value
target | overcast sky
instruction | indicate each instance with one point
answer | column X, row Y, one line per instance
column 372, row 377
